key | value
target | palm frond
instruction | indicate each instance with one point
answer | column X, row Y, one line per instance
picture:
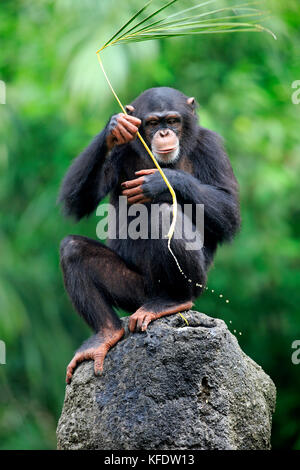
column 218, row 20
column 118, row 33
column 164, row 21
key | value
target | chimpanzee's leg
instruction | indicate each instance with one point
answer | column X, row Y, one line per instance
column 96, row 279
column 171, row 290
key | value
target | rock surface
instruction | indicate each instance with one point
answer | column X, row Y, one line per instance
column 172, row 387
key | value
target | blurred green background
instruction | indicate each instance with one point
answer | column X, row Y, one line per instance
column 57, row 100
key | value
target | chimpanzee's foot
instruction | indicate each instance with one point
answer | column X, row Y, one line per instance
column 96, row 349
column 151, row 311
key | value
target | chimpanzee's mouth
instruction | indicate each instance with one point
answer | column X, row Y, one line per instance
column 168, row 155
column 164, row 151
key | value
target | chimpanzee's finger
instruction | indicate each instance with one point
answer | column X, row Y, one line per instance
column 132, row 191
column 148, row 318
column 98, row 362
column 131, row 128
column 129, row 108
column 132, row 323
column 134, row 120
column 139, row 199
column 72, row 365
column 116, row 133
column 140, row 321
column 149, row 171
column 124, row 133
column 133, row 183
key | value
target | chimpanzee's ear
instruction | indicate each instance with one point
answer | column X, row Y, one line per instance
column 192, row 103
column 129, row 109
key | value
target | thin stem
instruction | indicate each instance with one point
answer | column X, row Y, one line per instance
column 174, row 207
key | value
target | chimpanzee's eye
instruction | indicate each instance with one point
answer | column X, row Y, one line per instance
column 172, row 121
column 152, row 122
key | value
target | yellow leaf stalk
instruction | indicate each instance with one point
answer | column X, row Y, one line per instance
column 174, row 200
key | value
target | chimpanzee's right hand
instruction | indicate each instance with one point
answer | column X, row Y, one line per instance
column 122, row 128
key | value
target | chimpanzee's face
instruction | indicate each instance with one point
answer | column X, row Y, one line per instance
column 163, row 132
column 169, row 122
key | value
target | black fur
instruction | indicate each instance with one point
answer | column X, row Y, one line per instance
column 129, row 273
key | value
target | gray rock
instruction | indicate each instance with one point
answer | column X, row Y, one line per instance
column 172, row 387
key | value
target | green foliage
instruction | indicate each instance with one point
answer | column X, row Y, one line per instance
column 209, row 21
column 57, row 100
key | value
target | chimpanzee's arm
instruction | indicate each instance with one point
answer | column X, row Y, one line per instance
column 221, row 208
column 96, row 171
column 213, row 185
column 84, row 184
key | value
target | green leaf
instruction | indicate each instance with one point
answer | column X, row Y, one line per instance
column 152, row 15
column 146, row 29
column 127, row 24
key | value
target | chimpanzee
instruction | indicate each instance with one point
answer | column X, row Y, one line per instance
column 141, row 275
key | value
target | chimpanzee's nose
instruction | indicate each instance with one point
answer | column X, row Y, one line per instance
column 164, row 132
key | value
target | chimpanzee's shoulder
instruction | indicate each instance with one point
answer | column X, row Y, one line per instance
column 209, row 136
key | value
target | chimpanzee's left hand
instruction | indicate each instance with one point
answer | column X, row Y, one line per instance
column 144, row 188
